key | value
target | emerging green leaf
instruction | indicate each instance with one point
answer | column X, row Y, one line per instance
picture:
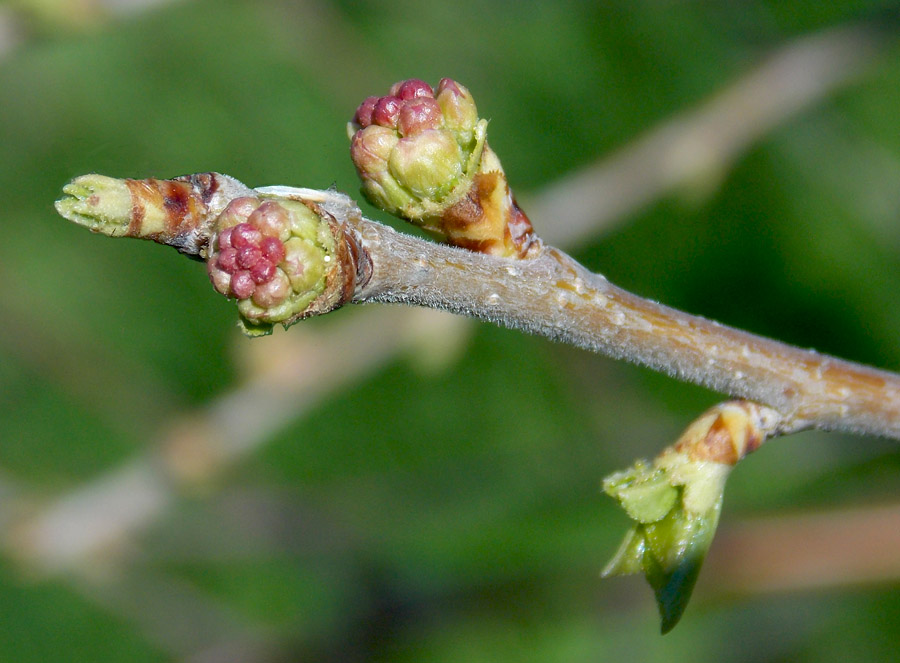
column 675, row 501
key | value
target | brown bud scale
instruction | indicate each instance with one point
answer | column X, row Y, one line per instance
column 728, row 432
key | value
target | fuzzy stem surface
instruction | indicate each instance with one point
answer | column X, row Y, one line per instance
column 554, row 296
column 545, row 292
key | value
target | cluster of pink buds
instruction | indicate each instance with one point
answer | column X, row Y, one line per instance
column 412, row 107
column 270, row 255
column 413, row 147
column 246, row 263
column 248, row 253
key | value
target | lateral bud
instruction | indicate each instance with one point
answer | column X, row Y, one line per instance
column 422, row 155
column 283, row 259
column 675, row 501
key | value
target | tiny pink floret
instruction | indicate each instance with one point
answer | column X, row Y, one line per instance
column 244, row 235
column 248, row 256
column 386, row 111
column 242, row 284
column 238, row 209
column 227, row 260
column 363, row 115
column 272, row 249
column 412, row 88
column 225, row 239
column 270, row 219
column 220, row 279
column 273, row 292
column 244, row 205
column 262, row 271
column 418, row 115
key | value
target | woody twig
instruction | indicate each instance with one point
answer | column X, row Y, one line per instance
column 285, row 253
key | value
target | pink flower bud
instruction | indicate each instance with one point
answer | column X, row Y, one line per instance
column 227, row 260
column 220, row 279
column 412, row 88
column 237, row 211
column 242, row 284
column 225, row 239
column 273, row 292
column 272, row 250
column 244, row 235
column 271, row 220
column 248, row 256
column 262, row 271
column 386, row 111
column 363, row 115
column 417, row 115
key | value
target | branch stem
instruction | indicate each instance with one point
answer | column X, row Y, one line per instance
column 554, row 296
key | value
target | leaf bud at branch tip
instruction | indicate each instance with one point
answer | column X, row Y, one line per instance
column 675, row 501
column 176, row 212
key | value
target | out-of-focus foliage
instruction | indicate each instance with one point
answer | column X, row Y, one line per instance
column 453, row 513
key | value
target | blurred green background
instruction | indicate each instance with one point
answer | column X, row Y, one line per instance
column 385, row 485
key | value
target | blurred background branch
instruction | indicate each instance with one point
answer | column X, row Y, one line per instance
column 696, row 149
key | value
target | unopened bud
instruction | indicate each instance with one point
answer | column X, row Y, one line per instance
column 422, row 154
column 414, row 159
column 99, row 203
column 177, row 212
column 675, row 501
column 458, row 108
column 271, row 256
column 412, row 88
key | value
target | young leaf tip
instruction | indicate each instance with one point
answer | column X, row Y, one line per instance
column 99, row 203
column 675, row 501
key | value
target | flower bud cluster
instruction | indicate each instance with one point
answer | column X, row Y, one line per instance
column 271, row 256
column 415, row 146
